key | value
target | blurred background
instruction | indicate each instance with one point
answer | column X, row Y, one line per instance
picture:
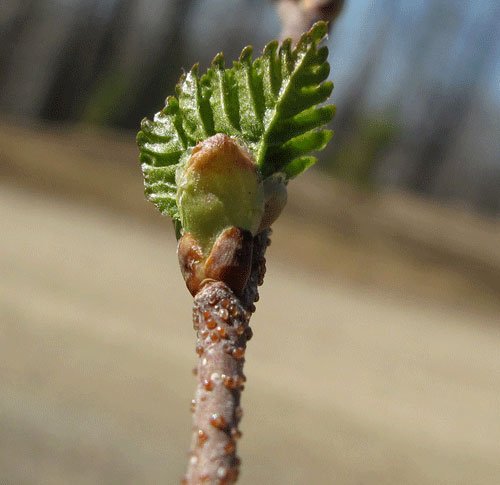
column 376, row 351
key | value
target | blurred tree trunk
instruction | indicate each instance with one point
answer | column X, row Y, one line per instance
column 35, row 55
column 442, row 124
column 13, row 18
column 82, row 58
column 145, row 64
column 162, row 74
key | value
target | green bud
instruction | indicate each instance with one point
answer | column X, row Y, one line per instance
column 275, row 196
column 218, row 187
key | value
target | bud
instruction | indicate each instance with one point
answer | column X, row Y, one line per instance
column 219, row 187
column 275, row 197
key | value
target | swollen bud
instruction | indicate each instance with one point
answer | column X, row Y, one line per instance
column 223, row 204
column 219, row 187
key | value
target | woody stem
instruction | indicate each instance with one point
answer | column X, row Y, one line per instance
column 222, row 322
column 297, row 16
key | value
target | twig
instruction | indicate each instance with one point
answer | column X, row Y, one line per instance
column 297, row 16
column 217, row 159
column 222, row 322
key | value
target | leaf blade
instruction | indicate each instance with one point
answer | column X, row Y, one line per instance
column 270, row 104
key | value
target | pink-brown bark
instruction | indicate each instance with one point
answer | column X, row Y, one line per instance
column 221, row 320
column 297, row 16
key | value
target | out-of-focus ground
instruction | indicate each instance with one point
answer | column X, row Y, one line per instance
column 375, row 356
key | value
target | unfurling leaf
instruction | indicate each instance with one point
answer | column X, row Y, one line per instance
column 269, row 105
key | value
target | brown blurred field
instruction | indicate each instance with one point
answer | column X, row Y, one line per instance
column 376, row 355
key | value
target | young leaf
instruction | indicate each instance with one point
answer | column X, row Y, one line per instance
column 269, row 104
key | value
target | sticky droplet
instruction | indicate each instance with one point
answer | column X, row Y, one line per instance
column 238, row 412
column 208, row 384
column 221, row 472
column 230, row 447
column 238, row 353
column 229, row 382
column 222, row 332
column 202, row 436
column 211, row 324
column 217, row 421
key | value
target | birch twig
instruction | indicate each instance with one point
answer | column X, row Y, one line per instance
column 297, row 16
column 222, row 323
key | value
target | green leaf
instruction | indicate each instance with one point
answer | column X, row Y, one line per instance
column 270, row 104
column 299, row 165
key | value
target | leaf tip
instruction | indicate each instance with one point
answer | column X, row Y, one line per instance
column 318, row 31
column 218, row 61
column 286, row 46
column 246, row 55
column 270, row 48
